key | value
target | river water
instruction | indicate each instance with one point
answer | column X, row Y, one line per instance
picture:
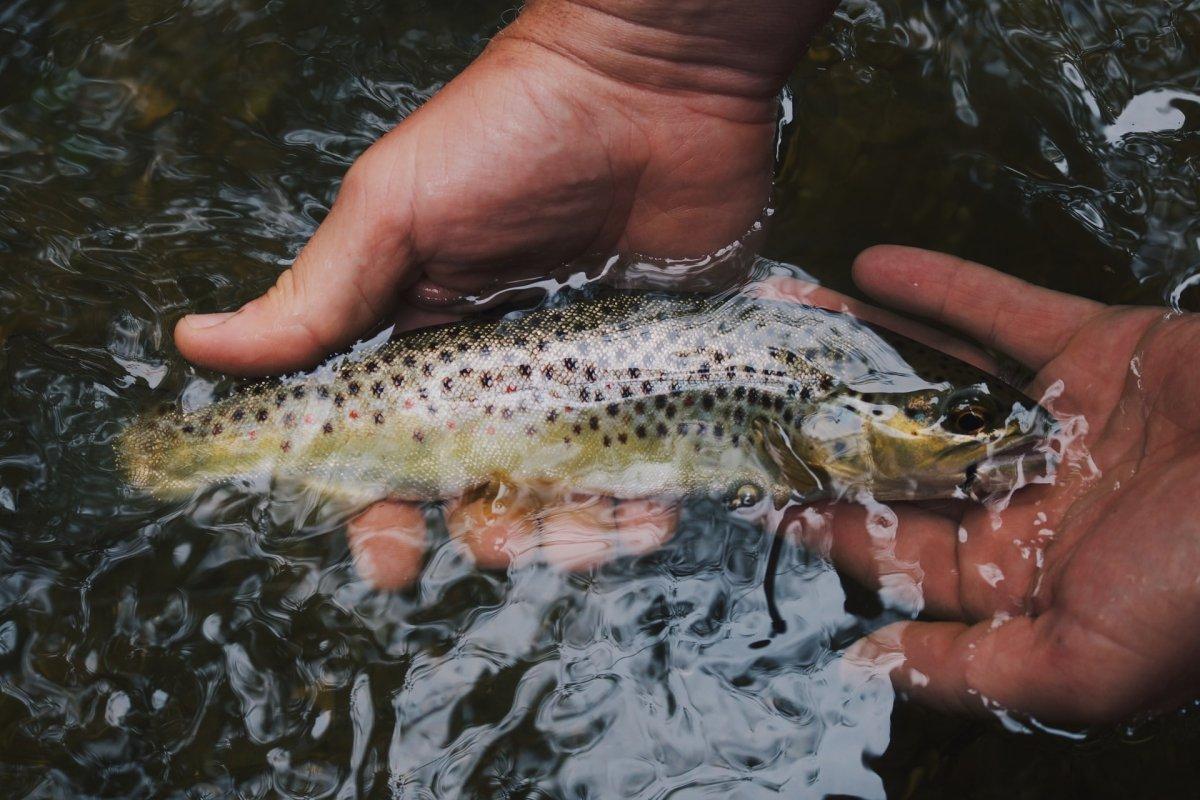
column 160, row 157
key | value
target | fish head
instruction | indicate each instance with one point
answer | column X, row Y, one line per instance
column 950, row 439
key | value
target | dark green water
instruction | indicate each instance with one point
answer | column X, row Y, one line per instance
column 157, row 158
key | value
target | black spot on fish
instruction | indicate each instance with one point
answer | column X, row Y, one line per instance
column 462, row 347
column 353, row 388
column 322, row 391
column 641, row 431
column 590, row 373
column 189, row 429
column 446, row 356
column 327, row 428
column 525, row 370
column 377, row 389
column 660, row 429
column 722, row 392
column 718, row 430
column 486, row 381
column 339, row 400
column 806, row 393
column 826, row 382
column 542, row 345
column 397, row 380
column 286, row 446
column 626, row 392
column 577, row 429
column 261, row 415
column 465, row 372
column 704, row 370
column 787, row 415
column 660, row 402
column 647, row 387
column 739, row 415
column 507, row 413
column 418, row 436
column 735, row 439
column 752, row 396
column 410, row 361
column 552, row 416
column 378, row 417
column 548, row 372
column 681, row 428
column 670, row 411
column 611, row 409
column 585, row 394
column 371, row 366
column 594, row 423
column 777, row 404
column 706, row 400
column 447, row 384
column 237, row 415
column 489, row 409
column 634, row 372
column 622, row 437
column 739, row 393
column 607, row 440
column 279, row 398
column 570, row 364
column 388, row 358
column 427, row 370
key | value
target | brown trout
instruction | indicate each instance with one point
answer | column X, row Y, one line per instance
column 624, row 395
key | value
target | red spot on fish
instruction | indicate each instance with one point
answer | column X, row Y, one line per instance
column 510, row 389
column 408, row 403
column 286, row 446
column 490, row 430
column 450, row 425
column 353, row 415
column 308, row 420
column 252, row 434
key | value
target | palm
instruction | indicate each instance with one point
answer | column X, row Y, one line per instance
column 1083, row 591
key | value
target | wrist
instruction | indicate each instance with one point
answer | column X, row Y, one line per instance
column 741, row 49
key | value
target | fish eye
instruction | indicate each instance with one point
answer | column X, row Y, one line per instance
column 969, row 412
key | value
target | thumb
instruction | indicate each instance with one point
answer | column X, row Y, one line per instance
column 344, row 281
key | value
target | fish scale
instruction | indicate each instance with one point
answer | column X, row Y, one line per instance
column 623, row 395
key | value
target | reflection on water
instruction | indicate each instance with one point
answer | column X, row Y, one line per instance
column 157, row 158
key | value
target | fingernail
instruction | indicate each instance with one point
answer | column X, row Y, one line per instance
column 201, row 322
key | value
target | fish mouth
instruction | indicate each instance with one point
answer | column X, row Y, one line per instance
column 1028, row 460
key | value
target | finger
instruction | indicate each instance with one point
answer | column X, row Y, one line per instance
column 500, row 527
column 1028, row 322
column 388, row 543
column 798, row 291
column 1043, row 666
column 906, row 553
column 583, row 532
column 343, row 283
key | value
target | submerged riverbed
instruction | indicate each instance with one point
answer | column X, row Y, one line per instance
column 159, row 158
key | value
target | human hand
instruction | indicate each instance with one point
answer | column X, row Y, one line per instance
column 585, row 127
column 1076, row 602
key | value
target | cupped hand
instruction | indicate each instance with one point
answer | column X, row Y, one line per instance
column 553, row 144
column 1075, row 602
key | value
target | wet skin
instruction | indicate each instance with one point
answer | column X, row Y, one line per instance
column 546, row 130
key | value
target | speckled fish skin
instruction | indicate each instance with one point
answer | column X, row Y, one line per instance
column 624, row 395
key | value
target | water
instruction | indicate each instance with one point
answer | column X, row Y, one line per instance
column 158, row 158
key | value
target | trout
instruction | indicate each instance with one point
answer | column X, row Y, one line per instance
column 624, row 395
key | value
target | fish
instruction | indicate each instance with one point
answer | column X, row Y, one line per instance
column 627, row 395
